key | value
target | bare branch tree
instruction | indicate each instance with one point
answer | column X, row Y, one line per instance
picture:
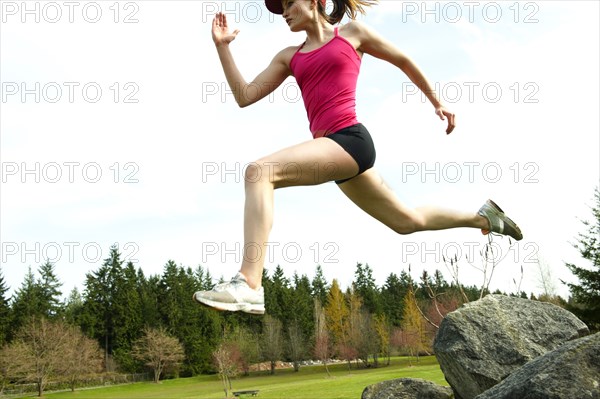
column 545, row 280
column 322, row 349
column 272, row 343
column 452, row 266
column 39, row 351
column 248, row 345
column 296, row 344
column 11, row 357
column 82, row 357
column 227, row 360
column 158, row 350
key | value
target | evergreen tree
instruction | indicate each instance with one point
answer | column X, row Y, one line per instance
column 204, row 279
column 586, row 293
column 149, row 293
column 128, row 324
column 73, row 308
column 439, row 282
column 424, row 286
column 392, row 295
column 4, row 311
column 170, row 293
column 98, row 316
column 26, row 304
column 49, row 291
column 301, row 305
column 197, row 327
column 319, row 286
column 277, row 295
column 365, row 286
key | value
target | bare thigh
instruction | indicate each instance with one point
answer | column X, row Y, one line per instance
column 312, row 162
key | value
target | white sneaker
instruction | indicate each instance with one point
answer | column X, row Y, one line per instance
column 499, row 222
column 234, row 296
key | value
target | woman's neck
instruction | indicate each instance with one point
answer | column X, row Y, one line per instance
column 318, row 32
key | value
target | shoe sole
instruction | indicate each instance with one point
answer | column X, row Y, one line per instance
column 232, row 307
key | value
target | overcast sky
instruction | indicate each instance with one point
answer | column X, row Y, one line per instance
column 117, row 127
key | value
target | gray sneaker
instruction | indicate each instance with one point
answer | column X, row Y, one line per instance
column 499, row 222
column 234, row 296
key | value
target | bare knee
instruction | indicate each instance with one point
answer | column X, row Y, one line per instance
column 409, row 225
column 259, row 173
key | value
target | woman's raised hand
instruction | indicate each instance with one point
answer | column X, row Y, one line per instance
column 220, row 30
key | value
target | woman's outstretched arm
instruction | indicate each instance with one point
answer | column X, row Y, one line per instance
column 266, row 82
column 372, row 43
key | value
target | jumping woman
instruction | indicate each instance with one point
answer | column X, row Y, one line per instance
column 326, row 68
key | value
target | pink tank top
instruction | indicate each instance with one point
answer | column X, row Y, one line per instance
column 327, row 78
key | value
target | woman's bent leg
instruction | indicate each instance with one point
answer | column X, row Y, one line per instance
column 372, row 195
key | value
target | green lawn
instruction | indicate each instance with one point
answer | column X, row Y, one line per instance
column 309, row 382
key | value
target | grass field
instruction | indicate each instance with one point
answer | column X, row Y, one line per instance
column 309, row 382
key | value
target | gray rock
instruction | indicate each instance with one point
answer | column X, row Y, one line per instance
column 481, row 343
column 569, row 372
column 406, row 388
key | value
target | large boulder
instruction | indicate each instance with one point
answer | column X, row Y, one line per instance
column 569, row 372
column 481, row 343
column 406, row 388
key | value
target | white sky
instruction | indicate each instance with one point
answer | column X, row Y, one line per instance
column 116, row 127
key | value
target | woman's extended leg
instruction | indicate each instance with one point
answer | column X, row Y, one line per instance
column 372, row 195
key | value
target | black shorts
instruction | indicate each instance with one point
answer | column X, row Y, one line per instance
column 357, row 142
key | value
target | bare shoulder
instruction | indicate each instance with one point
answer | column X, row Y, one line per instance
column 355, row 29
column 356, row 32
column 366, row 40
column 285, row 55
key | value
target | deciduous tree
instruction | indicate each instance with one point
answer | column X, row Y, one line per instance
column 296, row 344
column 159, row 351
column 413, row 325
column 81, row 358
column 322, row 349
column 226, row 358
column 248, row 345
column 39, row 350
column 336, row 313
column 272, row 340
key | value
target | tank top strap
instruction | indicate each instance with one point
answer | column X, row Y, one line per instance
column 335, row 31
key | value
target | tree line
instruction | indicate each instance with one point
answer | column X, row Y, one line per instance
column 120, row 306
column 124, row 321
